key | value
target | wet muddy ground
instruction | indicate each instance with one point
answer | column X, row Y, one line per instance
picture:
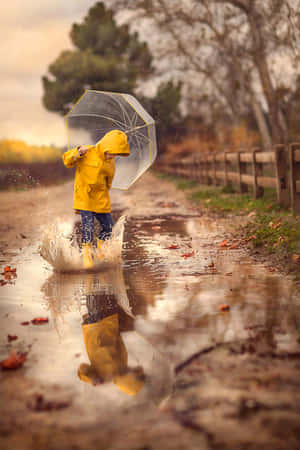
column 209, row 336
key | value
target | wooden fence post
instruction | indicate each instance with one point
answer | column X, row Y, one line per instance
column 208, row 169
column 294, row 154
column 241, row 170
column 227, row 182
column 214, row 168
column 282, row 170
column 257, row 169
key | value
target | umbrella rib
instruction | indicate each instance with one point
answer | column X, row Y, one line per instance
column 125, row 114
column 98, row 115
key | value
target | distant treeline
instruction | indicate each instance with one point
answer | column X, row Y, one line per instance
column 16, row 151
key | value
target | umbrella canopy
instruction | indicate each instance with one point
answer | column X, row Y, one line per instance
column 97, row 112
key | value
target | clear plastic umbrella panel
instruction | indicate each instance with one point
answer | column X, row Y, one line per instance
column 97, row 112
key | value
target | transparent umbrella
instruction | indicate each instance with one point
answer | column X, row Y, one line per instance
column 97, row 112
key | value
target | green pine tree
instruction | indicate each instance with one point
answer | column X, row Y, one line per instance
column 106, row 57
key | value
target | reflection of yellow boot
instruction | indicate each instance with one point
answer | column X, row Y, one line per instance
column 99, row 251
column 87, row 255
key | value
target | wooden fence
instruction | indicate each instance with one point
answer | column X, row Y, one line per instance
column 248, row 168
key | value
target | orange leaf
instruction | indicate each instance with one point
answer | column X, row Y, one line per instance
column 296, row 258
column 171, row 247
column 14, row 361
column 234, row 246
column 39, row 320
column 223, row 244
column 11, row 337
column 224, row 307
column 7, row 269
column 187, row 255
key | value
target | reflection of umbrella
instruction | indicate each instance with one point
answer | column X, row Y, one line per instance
column 97, row 112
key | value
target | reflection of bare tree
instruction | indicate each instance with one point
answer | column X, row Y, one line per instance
column 146, row 281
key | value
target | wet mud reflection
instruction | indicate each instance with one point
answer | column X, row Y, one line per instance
column 122, row 332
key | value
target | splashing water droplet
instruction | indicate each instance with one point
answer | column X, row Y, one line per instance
column 61, row 250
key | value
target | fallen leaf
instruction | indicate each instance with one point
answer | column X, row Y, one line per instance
column 14, row 361
column 39, row 320
column 211, row 264
column 234, row 246
column 156, row 227
column 12, row 337
column 187, row 255
column 3, row 283
column 224, row 307
column 171, row 247
column 25, row 323
column 296, row 258
column 39, row 403
column 223, row 244
column 275, row 225
column 8, row 269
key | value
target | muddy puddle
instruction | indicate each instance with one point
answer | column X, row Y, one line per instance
column 152, row 311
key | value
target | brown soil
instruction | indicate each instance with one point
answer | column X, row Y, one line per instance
column 239, row 395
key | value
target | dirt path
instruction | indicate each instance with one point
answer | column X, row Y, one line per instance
column 214, row 379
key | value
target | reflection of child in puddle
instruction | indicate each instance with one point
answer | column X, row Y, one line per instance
column 105, row 347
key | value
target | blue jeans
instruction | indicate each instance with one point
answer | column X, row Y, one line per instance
column 88, row 225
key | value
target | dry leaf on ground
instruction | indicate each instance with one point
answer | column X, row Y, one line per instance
column 187, row 255
column 40, row 320
column 14, row 361
column 224, row 307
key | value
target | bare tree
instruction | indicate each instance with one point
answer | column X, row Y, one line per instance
column 232, row 45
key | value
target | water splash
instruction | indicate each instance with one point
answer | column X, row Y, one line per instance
column 61, row 250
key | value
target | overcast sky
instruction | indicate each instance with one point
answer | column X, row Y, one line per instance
column 32, row 34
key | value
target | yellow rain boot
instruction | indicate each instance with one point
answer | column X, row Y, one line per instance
column 99, row 251
column 87, row 255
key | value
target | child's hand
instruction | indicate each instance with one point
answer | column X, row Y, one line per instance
column 82, row 150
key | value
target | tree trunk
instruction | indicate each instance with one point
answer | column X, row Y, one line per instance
column 260, row 60
column 261, row 123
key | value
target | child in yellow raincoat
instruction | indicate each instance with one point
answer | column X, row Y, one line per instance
column 105, row 347
column 95, row 169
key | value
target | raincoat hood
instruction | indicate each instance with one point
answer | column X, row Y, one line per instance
column 114, row 142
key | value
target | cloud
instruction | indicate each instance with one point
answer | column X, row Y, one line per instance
column 31, row 13
column 32, row 35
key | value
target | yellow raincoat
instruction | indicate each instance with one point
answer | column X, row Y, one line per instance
column 108, row 356
column 94, row 174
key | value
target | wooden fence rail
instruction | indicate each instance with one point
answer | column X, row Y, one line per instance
column 245, row 169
